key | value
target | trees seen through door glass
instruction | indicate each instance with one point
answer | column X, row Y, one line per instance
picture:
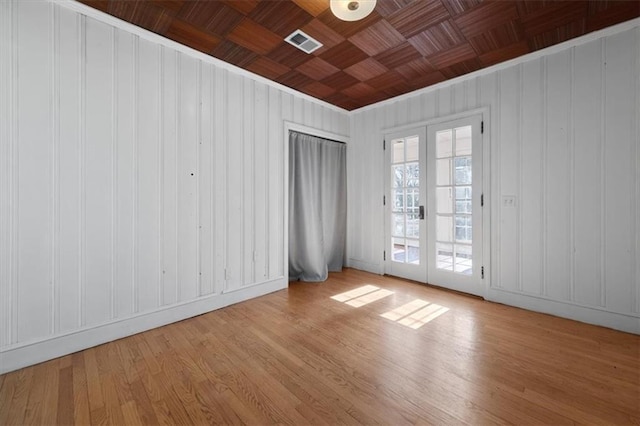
column 453, row 200
column 405, row 193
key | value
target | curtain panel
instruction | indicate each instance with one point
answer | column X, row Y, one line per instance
column 317, row 206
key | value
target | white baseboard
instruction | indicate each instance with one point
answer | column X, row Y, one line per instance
column 374, row 268
column 26, row 354
column 617, row 321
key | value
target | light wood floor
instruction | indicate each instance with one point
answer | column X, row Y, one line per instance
column 299, row 357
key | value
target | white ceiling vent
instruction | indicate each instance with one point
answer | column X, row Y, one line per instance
column 303, row 41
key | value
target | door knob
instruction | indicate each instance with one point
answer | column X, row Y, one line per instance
column 421, row 213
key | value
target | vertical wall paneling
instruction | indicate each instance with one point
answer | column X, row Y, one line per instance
column 160, row 178
column 135, row 183
column 543, row 174
column 260, row 220
column 235, row 184
column 54, row 162
column 6, row 169
column 273, row 164
column 148, row 133
column 414, row 109
column 114, row 173
column 198, row 143
column 247, row 210
column 636, row 213
column 619, row 176
column 82, row 135
column 558, row 192
column 491, row 96
column 187, row 204
column 444, row 101
column 507, row 129
column 124, row 174
column 298, row 110
column 520, row 161
column 571, row 168
column 458, row 96
column 531, row 241
column 98, row 171
column 13, row 177
column 221, row 175
column 205, row 182
column 586, row 135
column 33, row 175
column 602, row 168
column 169, row 177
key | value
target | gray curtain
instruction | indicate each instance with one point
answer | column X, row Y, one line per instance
column 317, row 206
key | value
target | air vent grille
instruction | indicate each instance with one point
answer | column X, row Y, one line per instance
column 303, row 41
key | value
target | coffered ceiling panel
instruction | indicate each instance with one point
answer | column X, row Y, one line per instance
column 403, row 45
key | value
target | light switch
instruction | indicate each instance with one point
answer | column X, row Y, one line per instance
column 509, row 201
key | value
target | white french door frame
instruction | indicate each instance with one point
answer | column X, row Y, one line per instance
column 410, row 270
column 488, row 237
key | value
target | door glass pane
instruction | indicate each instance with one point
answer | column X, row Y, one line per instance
column 464, row 262
column 398, row 225
column 413, row 175
column 399, row 249
column 405, row 183
column 413, row 252
column 413, row 226
column 454, row 203
column 463, row 229
column 443, row 170
column 397, row 151
column 397, row 176
column 398, row 200
column 444, row 143
column 463, row 141
column 462, row 170
column 463, row 199
column 443, row 200
column 412, row 149
column 444, row 228
column 444, row 256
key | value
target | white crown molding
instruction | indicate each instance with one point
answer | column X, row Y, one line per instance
column 605, row 32
column 156, row 38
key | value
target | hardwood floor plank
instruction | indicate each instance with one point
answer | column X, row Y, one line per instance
column 112, row 399
column 130, row 414
column 65, row 395
column 143, row 405
column 298, row 356
column 80, row 402
column 34, row 409
column 15, row 413
column 94, row 390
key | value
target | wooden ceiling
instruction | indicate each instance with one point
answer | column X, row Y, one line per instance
column 402, row 46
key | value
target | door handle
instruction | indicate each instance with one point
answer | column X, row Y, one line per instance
column 421, row 213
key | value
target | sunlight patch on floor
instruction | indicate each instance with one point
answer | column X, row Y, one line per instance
column 362, row 295
column 369, row 298
column 415, row 314
column 356, row 292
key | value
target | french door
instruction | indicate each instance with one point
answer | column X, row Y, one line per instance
column 405, row 255
column 434, row 213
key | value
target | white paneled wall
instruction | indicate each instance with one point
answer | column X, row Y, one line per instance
column 564, row 135
column 140, row 183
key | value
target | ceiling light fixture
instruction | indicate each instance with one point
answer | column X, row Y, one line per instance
column 352, row 10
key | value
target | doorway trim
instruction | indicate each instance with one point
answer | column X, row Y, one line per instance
column 484, row 112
